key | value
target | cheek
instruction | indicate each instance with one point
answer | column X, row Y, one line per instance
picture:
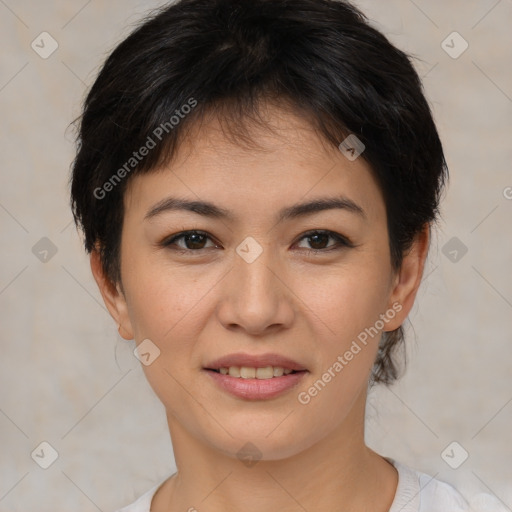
column 163, row 299
column 344, row 301
column 170, row 306
column 344, row 309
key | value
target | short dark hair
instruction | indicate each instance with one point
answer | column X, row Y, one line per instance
column 320, row 58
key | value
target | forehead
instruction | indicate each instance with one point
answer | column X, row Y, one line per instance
column 284, row 161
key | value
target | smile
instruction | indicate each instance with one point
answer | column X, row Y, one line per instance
column 262, row 373
column 256, row 383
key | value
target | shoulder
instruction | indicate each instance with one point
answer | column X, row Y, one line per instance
column 439, row 495
column 445, row 496
column 419, row 492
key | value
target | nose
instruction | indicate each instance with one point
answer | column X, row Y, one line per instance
column 256, row 297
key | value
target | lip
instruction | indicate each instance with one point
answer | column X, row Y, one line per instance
column 256, row 389
column 254, row 361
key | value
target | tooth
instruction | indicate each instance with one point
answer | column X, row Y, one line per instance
column 247, row 373
column 234, row 371
column 278, row 371
column 264, row 373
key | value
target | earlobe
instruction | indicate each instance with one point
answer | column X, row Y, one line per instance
column 124, row 333
column 113, row 297
column 408, row 278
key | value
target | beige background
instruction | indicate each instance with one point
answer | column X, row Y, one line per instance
column 67, row 378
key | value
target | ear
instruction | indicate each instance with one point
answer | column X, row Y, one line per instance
column 408, row 279
column 112, row 296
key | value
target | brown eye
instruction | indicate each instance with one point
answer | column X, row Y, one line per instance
column 195, row 241
column 191, row 241
column 319, row 240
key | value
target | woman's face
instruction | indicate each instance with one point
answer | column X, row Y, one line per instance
column 251, row 284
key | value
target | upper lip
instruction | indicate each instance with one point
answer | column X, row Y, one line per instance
column 254, row 361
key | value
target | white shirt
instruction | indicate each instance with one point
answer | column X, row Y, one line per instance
column 416, row 492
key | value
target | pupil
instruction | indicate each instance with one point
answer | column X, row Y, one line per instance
column 194, row 240
column 320, row 235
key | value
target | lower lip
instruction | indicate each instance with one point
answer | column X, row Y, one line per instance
column 257, row 389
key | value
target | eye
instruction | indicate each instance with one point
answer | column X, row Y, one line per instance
column 193, row 241
column 317, row 239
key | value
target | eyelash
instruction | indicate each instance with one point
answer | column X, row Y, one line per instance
column 343, row 242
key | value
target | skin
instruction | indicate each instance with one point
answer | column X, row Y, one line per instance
column 309, row 307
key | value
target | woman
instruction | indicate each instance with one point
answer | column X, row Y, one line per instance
column 256, row 182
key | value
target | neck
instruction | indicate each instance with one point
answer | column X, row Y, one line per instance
column 338, row 472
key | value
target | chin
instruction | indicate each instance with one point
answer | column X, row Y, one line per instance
column 250, row 450
column 266, row 441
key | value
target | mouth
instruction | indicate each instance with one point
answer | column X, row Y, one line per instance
column 255, row 366
column 248, row 372
column 255, row 377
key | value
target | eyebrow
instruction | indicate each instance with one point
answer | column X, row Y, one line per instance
column 208, row 209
